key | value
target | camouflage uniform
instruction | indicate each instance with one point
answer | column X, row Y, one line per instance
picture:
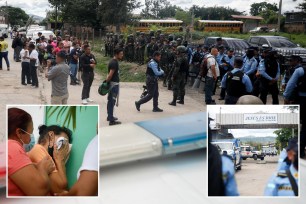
column 179, row 76
column 171, row 60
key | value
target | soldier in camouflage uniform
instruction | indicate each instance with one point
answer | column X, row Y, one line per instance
column 181, row 66
column 171, row 60
column 121, row 41
column 164, row 51
column 151, row 48
column 111, row 42
column 137, row 46
column 130, row 48
column 142, row 44
column 106, row 44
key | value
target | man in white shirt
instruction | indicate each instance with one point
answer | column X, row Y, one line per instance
column 25, row 65
column 33, row 65
column 212, row 75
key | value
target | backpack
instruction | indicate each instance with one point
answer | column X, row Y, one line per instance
column 203, row 68
column 196, row 57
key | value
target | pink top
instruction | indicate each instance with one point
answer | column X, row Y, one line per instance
column 17, row 159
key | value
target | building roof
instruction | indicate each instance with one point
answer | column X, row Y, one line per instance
column 219, row 21
column 247, row 17
column 294, row 12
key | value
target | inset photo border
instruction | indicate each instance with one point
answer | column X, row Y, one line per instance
column 52, row 151
column 253, row 151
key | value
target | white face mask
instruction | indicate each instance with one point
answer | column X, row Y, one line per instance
column 29, row 146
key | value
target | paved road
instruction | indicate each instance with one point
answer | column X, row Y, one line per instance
column 253, row 177
column 12, row 92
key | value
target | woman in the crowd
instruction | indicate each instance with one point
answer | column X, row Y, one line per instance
column 24, row 177
column 49, row 146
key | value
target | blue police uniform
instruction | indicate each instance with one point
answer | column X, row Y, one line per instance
column 282, row 164
column 228, row 173
column 249, row 66
column 229, row 61
column 279, row 184
column 291, row 85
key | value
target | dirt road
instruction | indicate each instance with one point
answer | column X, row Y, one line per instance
column 253, row 177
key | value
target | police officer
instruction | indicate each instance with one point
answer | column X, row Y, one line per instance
column 194, row 63
column 236, row 83
column 285, row 182
column 220, row 56
column 227, row 65
column 295, row 62
column 221, row 173
column 270, row 72
column 295, row 93
column 153, row 73
column 250, row 64
column 179, row 75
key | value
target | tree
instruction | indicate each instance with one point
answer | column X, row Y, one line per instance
column 262, row 7
column 153, row 8
column 16, row 16
column 213, row 13
column 283, row 136
column 184, row 16
column 168, row 12
column 302, row 6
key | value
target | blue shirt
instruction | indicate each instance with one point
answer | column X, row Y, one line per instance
column 228, row 174
column 284, row 82
column 245, row 80
column 249, row 65
column 292, row 83
column 154, row 66
column 219, row 58
column 228, row 61
column 262, row 71
column 282, row 164
column 280, row 186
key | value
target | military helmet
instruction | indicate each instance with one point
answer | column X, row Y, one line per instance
column 111, row 34
column 137, row 32
column 161, row 35
column 159, row 30
column 121, row 35
column 107, row 34
column 142, row 33
column 181, row 49
column 173, row 43
column 104, row 88
column 179, row 39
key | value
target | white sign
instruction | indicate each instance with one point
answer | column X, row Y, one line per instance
column 254, row 118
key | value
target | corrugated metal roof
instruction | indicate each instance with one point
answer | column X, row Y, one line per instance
column 248, row 17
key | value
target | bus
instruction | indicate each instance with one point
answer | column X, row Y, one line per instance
column 167, row 26
column 221, row 26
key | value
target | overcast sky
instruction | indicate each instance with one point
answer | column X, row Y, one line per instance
column 215, row 109
column 39, row 7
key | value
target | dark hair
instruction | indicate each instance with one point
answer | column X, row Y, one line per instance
column 17, row 118
column 43, row 130
column 156, row 53
column 49, row 48
column 61, row 54
column 238, row 62
column 2, row 38
column 86, row 46
column 117, row 51
column 32, row 46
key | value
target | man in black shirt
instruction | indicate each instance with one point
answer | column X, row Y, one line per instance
column 113, row 80
column 87, row 63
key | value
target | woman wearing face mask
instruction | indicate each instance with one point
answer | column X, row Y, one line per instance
column 24, row 177
column 49, row 146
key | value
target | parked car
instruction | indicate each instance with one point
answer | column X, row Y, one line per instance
column 282, row 45
column 30, row 32
column 4, row 30
column 262, row 29
column 239, row 45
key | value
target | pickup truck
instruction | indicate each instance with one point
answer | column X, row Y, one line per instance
column 249, row 152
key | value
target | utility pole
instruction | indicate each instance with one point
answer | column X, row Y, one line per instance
column 279, row 15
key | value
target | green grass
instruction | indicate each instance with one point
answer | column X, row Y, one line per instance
column 129, row 72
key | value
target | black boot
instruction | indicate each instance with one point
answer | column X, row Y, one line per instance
column 173, row 103
column 181, row 101
column 137, row 105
